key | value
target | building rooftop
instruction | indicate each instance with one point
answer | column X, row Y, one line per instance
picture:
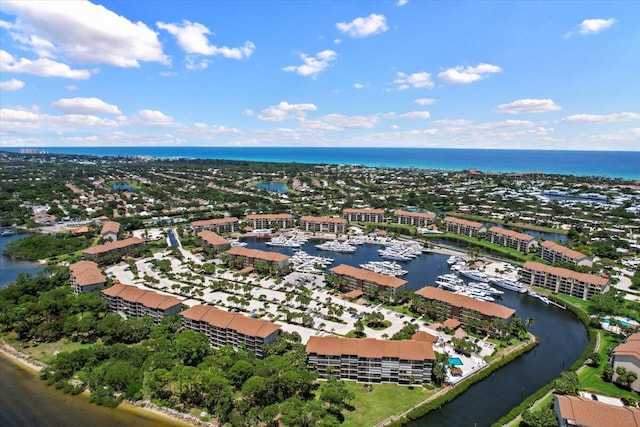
column 215, row 221
column 268, row 216
column 581, row 411
column 369, row 276
column 457, row 300
column 513, row 234
column 110, row 227
column 472, row 224
column 87, row 273
column 226, row 320
column 363, row 210
column 370, row 348
column 591, row 279
column 323, row 219
column 257, row 254
column 147, row 298
column 95, row 250
column 569, row 253
column 631, row 347
column 212, row 238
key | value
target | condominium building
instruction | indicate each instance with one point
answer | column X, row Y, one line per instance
column 578, row 411
column 370, row 360
column 417, row 219
column 554, row 253
column 323, row 224
column 368, row 282
column 110, row 230
column 463, row 226
column 218, row 225
column 467, row 310
column 85, row 276
column 363, row 215
column 213, row 241
column 260, row 260
column 262, row 221
column 112, row 252
column 562, row 280
column 225, row 328
column 521, row 242
column 131, row 301
column 627, row 356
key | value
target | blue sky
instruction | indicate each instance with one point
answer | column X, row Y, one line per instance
column 469, row 74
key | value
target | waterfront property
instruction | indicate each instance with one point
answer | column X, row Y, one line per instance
column 521, row 242
column 417, row 219
column 131, row 301
column 370, row 283
column 627, row 356
column 363, row 215
column 218, row 225
column 213, row 241
column 572, row 411
column 370, row 360
column 554, row 253
column 265, row 261
column 112, row 252
column 463, row 226
column 85, row 276
column 262, row 221
column 110, row 230
column 469, row 311
column 225, row 328
column 562, row 280
column 323, row 224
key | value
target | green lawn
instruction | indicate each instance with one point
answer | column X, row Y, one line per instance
column 44, row 352
column 383, row 401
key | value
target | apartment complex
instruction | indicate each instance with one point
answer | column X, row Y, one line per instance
column 224, row 328
column 417, row 219
column 521, row 242
column 85, row 276
column 370, row 360
column 577, row 411
column 323, row 224
column 562, row 280
column 131, row 301
column 554, row 253
column 260, row 260
column 363, row 215
column 368, row 282
column 218, row 225
column 110, row 230
column 469, row 311
column 463, row 226
column 113, row 252
column 261, row 221
column 213, row 241
column 627, row 356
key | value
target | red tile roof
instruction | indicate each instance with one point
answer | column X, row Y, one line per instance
column 257, row 254
column 591, row 279
column 226, row 320
column 131, row 241
column 569, row 253
column 461, row 221
column 631, row 347
column 323, row 219
column 587, row 412
column 424, row 337
column 513, row 234
column 216, row 221
column 370, row 211
column 145, row 297
column 369, row 276
column 87, row 273
column 212, row 238
column 457, row 300
column 425, row 215
column 370, row 348
column 268, row 216
column 110, row 227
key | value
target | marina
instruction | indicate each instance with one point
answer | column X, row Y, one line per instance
column 385, row 267
column 337, row 246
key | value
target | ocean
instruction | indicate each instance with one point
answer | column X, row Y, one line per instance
column 611, row 164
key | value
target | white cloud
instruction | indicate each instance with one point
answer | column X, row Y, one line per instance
column 358, row 85
column 11, row 85
column 150, row 118
column 84, row 32
column 591, row 26
column 401, row 3
column 248, row 112
column 192, row 38
column 31, row 120
column 414, row 115
column 415, row 80
column 525, row 106
column 42, row 67
column 601, row 118
column 425, row 101
column 85, row 106
column 465, row 75
column 337, row 122
column 313, row 65
column 285, row 111
column 337, row 41
column 364, row 26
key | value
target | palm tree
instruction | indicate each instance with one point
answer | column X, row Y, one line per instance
column 529, row 322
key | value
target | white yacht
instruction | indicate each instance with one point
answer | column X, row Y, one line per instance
column 508, row 284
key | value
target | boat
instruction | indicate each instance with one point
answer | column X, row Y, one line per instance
column 540, row 297
column 473, row 274
column 7, row 232
column 450, row 282
column 508, row 284
column 385, row 267
column 337, row 246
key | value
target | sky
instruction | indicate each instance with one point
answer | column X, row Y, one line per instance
column 385, row 73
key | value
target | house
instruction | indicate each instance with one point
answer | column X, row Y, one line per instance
column 575, row 411
column 520, row 242
column 323, row 224
column 131, row 301
column 363, row 215
column 417, row 219
column 213, row 241
column 371, row 360
column 85, row 276
column 266, row 261
column 554, row 253
column 110, row 231
column 112, row 252
column 463, row 226
column 563, row 280
column 369, row 282
column 225, row 328
column 218, row 225
column 627, row 356
column 263, row 221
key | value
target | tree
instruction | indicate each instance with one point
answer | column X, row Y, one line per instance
column 544, row 417
column 335, row 394
column 626, row 377
column 192, row 347
column 567, row 383
column 595, row 359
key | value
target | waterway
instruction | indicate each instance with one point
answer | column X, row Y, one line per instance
column 272, row 187
column 561, row 238
column 9, row 268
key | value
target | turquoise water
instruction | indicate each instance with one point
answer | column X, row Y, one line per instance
column 622, row 322
column 455, row 361
column 272, row 187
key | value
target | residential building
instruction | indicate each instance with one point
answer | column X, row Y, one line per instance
column 131, row 301
column 112, row 252
column 225, row 328
column 521, row 242
column 213, row 241
column 369, row 282
column 323, row 224
column 627, row 355
column 262, row 221
column 563, row 280
column 370, row 360
column 218, row 225
column 554, row 253
column 254, row 258
column 463, row 226
column 417, row 219
column 363, row 215
column 469, row 311
column 576, row 411
column 110, row 230
column 85, row 276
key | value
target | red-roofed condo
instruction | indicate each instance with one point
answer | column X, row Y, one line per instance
column 562, row 280
column 363, row 215
column 213, row 242
column 627, row 356
column 347, row 278
column 463, row 226
column 85, row 276
column 261, row 221
column 218, row 225
column 370, row 360
column 224, row 328
column 554, row 253
column 417, row 219
column 577, row 411
column 131, row 301
column 262, row 261
column 112, row 252
column 323, row 224
column 521, row 242
column 110, row 231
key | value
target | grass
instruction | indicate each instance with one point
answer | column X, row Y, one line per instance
column 512, row 254
column 44, row 352
column 384, row 400
column 584, row 305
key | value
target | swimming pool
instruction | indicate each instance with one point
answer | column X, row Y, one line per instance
column 455, row 361
column 622, row 322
